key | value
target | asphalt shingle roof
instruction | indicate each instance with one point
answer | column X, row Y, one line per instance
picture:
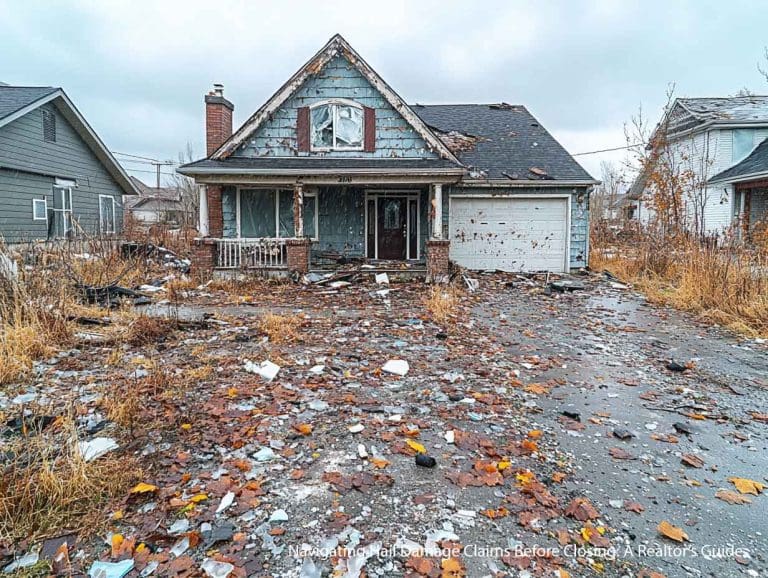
column 13, row 98
column 728, row 109
column 510, row 141
column 757, row 162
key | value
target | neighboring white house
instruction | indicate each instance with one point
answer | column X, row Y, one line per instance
column 156, row 205
column 718, row 141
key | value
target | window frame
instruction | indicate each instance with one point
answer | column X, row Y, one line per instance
column 35, row 202
column 737, row 159
column 49, row 116
column 67, row 214
column 101, row 215
column 334, row 103
column 314, row 194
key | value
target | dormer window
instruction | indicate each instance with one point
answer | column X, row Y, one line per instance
column 336, row 125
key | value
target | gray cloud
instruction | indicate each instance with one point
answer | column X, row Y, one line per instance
column 138, row 70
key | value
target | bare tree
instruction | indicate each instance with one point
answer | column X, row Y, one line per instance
column 672, row 172
column 187, row 190
column 604, row 199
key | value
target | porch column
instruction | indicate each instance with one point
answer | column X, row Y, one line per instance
column 438, row 264
column 298, row 249
column 202, row 221
column 298, row 211
column 437, row 211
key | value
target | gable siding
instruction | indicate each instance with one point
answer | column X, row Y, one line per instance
column 30, row 165
column 395, row 138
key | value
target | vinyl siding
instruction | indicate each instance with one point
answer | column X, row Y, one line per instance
column 707, row 154
column 29, row 166
column 395, row 138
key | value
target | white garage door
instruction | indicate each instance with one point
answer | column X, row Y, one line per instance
column 509, row 233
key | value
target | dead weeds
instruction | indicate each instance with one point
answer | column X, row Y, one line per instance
column 725, row 284
column 281, row 328
column 47, row 487
column 442, row 302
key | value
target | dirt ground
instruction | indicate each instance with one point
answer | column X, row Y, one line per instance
column 519, row 401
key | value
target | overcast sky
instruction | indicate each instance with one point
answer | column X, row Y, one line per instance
column 138, row 70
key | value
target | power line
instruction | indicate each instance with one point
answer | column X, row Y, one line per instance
column 608, row 150
column 137, row 157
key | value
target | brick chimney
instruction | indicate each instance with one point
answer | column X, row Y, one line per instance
column 218, row 118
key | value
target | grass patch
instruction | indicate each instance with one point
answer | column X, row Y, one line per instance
column 48, row 488
column 443, row 303
column 726, row 284
column 281, row 328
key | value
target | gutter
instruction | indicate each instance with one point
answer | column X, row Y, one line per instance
column 741, row 178
column 311, row 172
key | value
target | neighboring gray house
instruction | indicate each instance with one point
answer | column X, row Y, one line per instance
column 336, row 165
column 722, row 143
column 57, row 178
column 155, row 205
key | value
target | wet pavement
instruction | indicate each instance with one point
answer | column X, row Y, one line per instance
column 517, row 399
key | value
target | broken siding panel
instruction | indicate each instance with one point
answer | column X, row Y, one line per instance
column 229, row 211
column 395, row 138
column 579, row 226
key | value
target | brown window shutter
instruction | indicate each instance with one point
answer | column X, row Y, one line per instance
column 302, row 129
column 369, row 128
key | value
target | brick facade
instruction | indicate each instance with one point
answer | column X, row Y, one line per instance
column 218, row 120
column 438, row 265
column 215, row 212
column 203, row 255
column 297, row 254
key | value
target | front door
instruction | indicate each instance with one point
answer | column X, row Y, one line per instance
column 392, row 227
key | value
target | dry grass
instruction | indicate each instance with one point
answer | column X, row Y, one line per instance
column 48, row 488
column 143, row 329
column 443, row 303
column 727, row 285
column 281, row 328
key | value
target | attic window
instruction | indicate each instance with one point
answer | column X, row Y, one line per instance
column 49, row 126
column 336, row 125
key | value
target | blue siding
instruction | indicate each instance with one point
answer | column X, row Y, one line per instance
column 29, row 165
column 341, row 218
column 579, row 232
column 395, row 138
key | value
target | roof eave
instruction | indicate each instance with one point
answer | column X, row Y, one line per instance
column 756, row 176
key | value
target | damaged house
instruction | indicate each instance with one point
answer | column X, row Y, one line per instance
column 718, row 147
column 336, row 166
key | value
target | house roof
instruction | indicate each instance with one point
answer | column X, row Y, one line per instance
column 164, row 193
column 16, row 101
column 15, row 98
column 502, row 141
column 335, row 46
column 732, row 109
column 753, row 167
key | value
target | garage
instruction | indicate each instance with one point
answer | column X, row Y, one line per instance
column 510, row 233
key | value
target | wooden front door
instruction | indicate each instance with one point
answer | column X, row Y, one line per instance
column 392, row 227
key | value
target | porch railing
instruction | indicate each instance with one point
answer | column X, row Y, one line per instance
column 266, row 253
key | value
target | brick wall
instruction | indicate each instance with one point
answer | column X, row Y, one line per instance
column 297, row 254
column 438, row 264
column 215, row 213
column 203, row 255
column 218, row 121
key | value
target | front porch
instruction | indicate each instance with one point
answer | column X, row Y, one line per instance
column 751, row 209
column 319, row 228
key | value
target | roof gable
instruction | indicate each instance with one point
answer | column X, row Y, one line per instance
column 336, row 53
column 20, row 101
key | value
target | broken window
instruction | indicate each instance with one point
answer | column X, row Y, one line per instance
column 337, row 126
